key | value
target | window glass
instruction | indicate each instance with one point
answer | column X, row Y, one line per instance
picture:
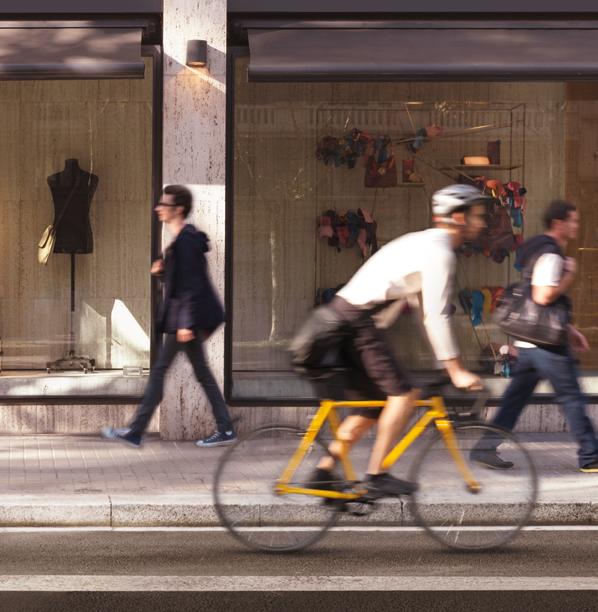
column 76, row 154
column 307, row 150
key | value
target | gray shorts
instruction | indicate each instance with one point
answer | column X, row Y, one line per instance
column 375, row 372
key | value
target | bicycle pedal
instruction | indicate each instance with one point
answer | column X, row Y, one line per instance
column 369, row 497
column 340, row 505
column 359, row 508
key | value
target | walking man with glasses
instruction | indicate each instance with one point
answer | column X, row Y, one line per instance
column 190, row 312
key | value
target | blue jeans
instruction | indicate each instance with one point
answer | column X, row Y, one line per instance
column 560, row 370
column 155, row 388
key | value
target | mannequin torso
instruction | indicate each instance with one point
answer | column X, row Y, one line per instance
column 71, row 212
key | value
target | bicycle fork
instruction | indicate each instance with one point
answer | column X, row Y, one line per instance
column 447, row 432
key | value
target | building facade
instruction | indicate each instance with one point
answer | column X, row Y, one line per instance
column 314, row 133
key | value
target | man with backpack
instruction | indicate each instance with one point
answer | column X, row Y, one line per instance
column 551, row 275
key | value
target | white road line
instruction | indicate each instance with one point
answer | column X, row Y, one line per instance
column 216, row 529
column 103, row 582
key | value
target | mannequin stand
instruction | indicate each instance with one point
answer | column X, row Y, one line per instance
column 72, row 361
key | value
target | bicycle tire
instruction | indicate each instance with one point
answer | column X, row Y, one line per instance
column 244, row 495
column 480, row 522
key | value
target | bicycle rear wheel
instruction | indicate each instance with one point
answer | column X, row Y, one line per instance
column 461, row 517
column 248, row 504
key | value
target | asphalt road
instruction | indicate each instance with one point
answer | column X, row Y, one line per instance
column 348, row 570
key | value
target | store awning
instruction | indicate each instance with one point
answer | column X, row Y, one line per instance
column 80, row 51
column 420, row 53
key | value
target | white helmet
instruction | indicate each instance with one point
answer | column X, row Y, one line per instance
column 455, row 197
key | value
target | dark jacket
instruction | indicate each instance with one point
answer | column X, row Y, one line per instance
column 190, row 301
column 529, row 253
column 533, row 248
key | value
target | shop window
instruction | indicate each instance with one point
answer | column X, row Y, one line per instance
column 77, row 153
column 302, row 149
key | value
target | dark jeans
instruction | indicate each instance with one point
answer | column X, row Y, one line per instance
column 560, row 370
column 155, row 388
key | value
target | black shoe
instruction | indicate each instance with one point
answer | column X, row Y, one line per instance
column 590, row 467
column 218, row 438
column 383, row 485
column 490, row 459
column 122, row 435
column 324, row 480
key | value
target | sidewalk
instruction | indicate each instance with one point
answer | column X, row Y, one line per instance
column 82, row 481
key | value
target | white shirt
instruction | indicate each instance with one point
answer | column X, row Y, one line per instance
column 547, row 272
column 417, row 262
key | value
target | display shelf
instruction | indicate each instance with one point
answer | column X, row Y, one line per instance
column 479, row 167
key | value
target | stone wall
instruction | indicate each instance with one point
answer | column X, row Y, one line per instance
column 194, row 154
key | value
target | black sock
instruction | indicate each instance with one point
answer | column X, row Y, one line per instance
column 374, row 476
column 323, row 474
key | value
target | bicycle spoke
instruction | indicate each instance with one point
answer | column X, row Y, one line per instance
column 245, row 500
column 473, row 520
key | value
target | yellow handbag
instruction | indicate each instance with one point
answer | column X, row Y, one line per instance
column 45, row 246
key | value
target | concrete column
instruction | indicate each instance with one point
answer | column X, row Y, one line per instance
column 194, row 155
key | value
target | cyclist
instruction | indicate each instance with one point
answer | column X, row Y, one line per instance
column 419, row 262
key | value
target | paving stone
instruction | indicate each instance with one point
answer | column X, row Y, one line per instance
column 170, row 483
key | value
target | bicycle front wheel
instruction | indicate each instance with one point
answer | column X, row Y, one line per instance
column 465, row 516
column 252, row 508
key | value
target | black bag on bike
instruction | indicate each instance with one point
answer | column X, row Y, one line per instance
column 315, row 350
column 323, row 353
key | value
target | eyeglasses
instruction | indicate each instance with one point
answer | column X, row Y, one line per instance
column 167, row 204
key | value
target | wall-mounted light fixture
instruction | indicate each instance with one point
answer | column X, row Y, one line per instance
column 197, row 53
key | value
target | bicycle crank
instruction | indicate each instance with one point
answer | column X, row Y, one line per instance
column 360, row 507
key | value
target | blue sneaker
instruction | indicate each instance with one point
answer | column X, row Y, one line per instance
column 122, row 434
column 218, row 438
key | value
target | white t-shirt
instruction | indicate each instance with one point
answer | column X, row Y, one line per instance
column 417, row 262
column 547, row 272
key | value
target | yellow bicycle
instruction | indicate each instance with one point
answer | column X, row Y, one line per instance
column 263, row 493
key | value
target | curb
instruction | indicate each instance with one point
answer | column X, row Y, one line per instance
column 198, row 511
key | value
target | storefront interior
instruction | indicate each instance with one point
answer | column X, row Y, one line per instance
column 77, row 153
column 304, row 155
